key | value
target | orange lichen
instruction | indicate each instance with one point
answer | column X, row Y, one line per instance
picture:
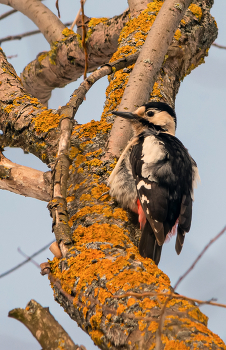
column 196, row 10
column 96, row 335
column 73, row 152
column 95, row 320
column 175, row 345
column 177, row 34
column 156, row 92
column 46, row 120
column 143, row 22
column 70, row 199
column 121, row 308
column 142, row 325
column 103, row 294
column 68, row 32
column 95, row 21
column 148, row 303
column 131, row 301
column 153, row 326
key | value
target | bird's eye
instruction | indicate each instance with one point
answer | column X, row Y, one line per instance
column 150, row 113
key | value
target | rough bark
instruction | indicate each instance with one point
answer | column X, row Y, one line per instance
column 49, row 24
column 143, row 76
column 104, row 261
column 24, row 180
column 64, row 63
column 25, row 122
column 43, row 326
column 136, row 6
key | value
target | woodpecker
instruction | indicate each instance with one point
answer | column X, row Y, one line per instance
column 155, row 177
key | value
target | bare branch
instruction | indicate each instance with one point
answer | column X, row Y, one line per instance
column 77, row 16
column 50, row 26
column 173, row 295
column 25, row 261
column 24, row 180
column 57, row 7
column 6, row 14
column 84, row 39
column 219, row 46
column 24, row 35
column 28, row 257
column 48, row 332
column 199, row 257
column 142, row 78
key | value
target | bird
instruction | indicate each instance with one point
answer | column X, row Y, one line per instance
column 155, row 177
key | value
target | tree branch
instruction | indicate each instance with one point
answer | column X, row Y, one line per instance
column 24, row 35
column 219, row 46
column 6, row 14
column 137, row 6
column 25, row 122
column 65, row 62
column 60, row 174
column 24, row 180
column 25, row 261
column 199, row 257
column 144, row 73
column 49, row 24
column 43, row 326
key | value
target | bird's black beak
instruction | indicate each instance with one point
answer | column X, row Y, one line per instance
column 126, row 115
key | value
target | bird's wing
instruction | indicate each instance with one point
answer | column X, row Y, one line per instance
column 154, row 202
column 153, row 198
column 184, row 222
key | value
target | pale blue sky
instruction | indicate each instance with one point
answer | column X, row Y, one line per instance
column 25, row 222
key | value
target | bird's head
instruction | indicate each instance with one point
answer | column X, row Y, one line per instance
column 153, row 114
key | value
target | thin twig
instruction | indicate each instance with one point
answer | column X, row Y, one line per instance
column 25, row 261
column 28, row 257
column 84, row 39
column 219, row 46
column 199, row 257
column 77, row 16
column 12, row 56
column 58, row 9
column 6, row 14
column 173, row 295
column 20, row 36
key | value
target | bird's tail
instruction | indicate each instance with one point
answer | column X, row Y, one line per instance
column 148, row 246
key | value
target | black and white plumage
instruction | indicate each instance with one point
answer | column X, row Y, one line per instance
column 155, row 177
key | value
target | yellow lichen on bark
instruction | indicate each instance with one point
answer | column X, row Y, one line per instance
column 46, row 120
column 196, row 10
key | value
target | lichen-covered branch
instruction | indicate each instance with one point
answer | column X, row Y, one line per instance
column 65, row 61
column 50, row 26
column 43, row 326
column 24, row 35
column 104, row 261
column 142, row 78
column 187, row 50
column 25, row 122
column 23, row 180
column 60, row 173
